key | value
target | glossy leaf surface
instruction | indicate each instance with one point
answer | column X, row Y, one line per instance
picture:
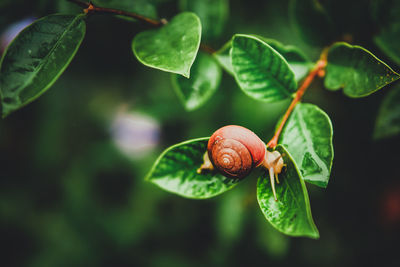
column 260, row 71
column 388, row 120
column 176, row 171
column 307, row 135
column 37, row 57
column 291, row 213
column 356, row 70
column 173, row 47
column 202, row 84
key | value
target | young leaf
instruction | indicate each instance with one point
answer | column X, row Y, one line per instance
column 308, row 137
column 203, row 83
column 176, row 171
column 37, row 57
column 388, row 120
column 173, row 47
column 356, row 70
column 311, row 21
column 291, row 214
column 212, row 13
column 142, row 7
column 260, row 71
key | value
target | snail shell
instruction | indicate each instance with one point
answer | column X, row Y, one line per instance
column 235, row 151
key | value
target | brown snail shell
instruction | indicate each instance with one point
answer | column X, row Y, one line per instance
column 235, row 151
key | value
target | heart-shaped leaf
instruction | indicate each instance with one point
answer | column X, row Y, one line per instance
column 307, row 135
column 388, row 120
column 37, row 57
column 260, row 71
column 356, row 70
column 173, row 47
column 291, row 213
column 176, row 171
column 202, row 84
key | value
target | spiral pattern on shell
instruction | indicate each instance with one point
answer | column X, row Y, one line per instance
column 231, row 158
column 235, row 151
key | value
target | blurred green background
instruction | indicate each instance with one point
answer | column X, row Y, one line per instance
column 72, row 162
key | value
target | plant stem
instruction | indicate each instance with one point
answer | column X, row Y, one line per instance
column 318, row 70
column 90, row 8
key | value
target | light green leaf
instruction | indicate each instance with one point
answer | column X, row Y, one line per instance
column 142, row 7
column 260, row 71
column 291, row 213
column 176, row 171
column 212, row 13
column 388, row 120
column 312, row 22
column 37, row 57
column 307, row 135
column 387, row 20
column 203, row 83
column 173, row 47
column 356, row 70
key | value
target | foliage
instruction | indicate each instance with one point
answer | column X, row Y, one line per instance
column 264, row 69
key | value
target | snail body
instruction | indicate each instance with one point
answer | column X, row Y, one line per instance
column 235, row 151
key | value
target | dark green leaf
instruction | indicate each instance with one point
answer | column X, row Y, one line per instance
column 37, row 57
column 387, row 19
column 291, row 214
column 176, row 171
column 312, row 22
column 171, row 48
column 203, row 83
column 260, row 71
column 356, row 70
column 142, row 7
column 388, row 120
column 212, row 13
column 298, row 62
column 308, row 137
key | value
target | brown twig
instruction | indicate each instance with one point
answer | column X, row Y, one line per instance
column 318, row 70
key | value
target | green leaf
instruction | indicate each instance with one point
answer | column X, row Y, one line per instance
column 298, row 62
column 312, row 22
column 173, row 47
column 261, row 72
column 37, row 57
column 203, row 83
column 356, row 70
column 388, row 120
column 307, row 135
column 387, row 20
column 142, row 7
column 212, row 13
column 291, row 213
column 176, row 171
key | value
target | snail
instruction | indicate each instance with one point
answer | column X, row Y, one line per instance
column 235, row 151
